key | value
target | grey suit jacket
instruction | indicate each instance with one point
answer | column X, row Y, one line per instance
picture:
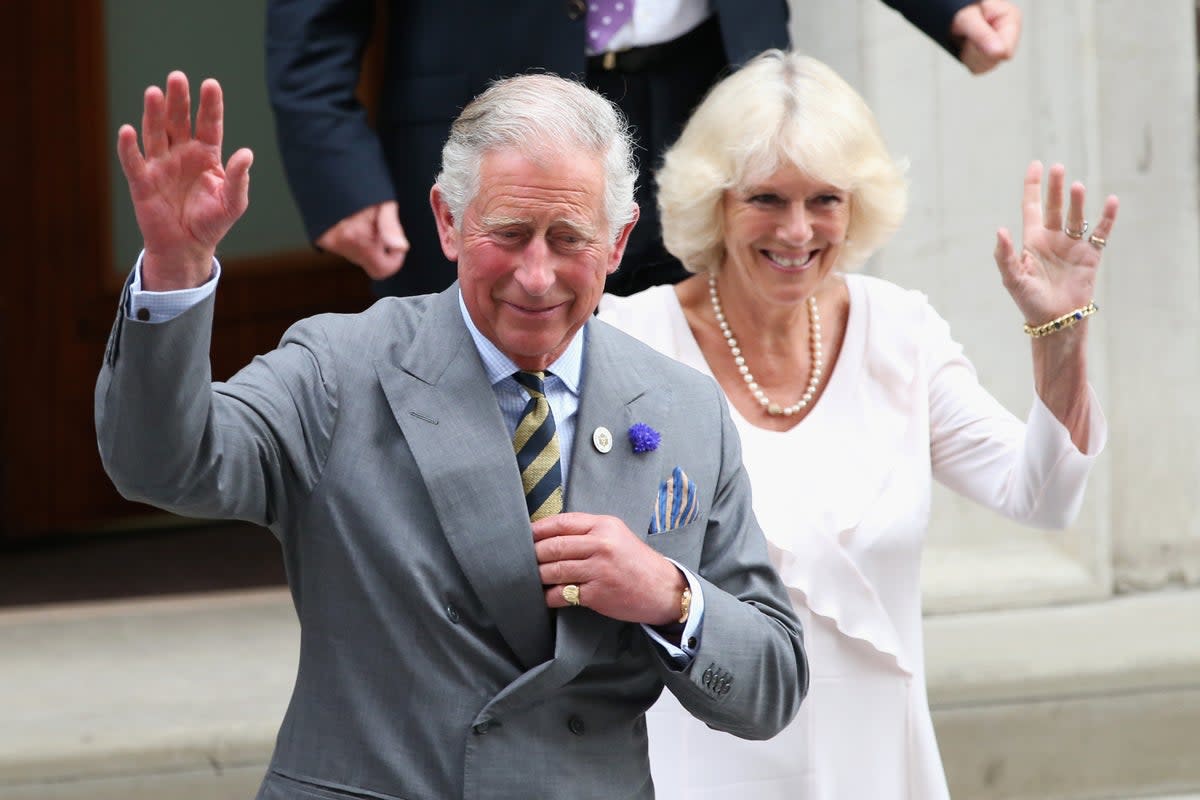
column 373, row 447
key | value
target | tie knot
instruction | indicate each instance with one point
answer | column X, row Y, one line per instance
column 534, row 382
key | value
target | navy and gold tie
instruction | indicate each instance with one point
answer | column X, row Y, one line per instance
column 536, row 445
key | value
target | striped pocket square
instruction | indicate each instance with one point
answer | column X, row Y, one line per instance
column 676, row 504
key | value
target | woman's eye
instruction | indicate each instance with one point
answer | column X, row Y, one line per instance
column 766, row 199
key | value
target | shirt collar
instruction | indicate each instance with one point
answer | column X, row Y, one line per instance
column 568, row 367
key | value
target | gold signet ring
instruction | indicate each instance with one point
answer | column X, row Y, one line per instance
column 570, row 593
column 1097, row 241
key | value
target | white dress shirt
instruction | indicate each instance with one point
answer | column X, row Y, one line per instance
column 657, row 21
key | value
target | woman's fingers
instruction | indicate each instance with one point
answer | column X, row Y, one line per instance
column 1076, row 222
column 1104, row 227
column 1053, row 218
column 1031, row 200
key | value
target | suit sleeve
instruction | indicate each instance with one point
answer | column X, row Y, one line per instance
column 333, row 159
column 750, row 672
column 933, row 18
column 246, row 449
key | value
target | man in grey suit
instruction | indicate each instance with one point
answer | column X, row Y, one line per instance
column 471, row 627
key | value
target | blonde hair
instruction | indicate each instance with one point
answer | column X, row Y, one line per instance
column 780, row 107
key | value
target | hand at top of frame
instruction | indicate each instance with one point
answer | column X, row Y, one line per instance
column 989, row 31
column 1055, row 271
column 184, row 200
column 372, row 238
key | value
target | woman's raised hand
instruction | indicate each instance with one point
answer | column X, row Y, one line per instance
column 185, row 201
column 1054, row 273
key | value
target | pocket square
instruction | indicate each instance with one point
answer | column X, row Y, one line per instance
column 676, row 504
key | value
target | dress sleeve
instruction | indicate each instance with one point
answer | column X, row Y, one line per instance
column 1028, row 471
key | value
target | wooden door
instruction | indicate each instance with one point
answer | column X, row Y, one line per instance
column 62, row 279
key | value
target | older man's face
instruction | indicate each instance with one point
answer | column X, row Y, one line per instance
column 533, row 251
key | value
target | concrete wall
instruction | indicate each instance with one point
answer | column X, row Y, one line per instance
column 1108, row 88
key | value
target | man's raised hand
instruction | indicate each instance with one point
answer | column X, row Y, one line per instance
column 185, row 201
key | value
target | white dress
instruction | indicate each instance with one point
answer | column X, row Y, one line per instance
column 843, row 498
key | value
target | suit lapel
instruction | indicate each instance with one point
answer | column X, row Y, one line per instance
column 615, row 393
column 440, row 396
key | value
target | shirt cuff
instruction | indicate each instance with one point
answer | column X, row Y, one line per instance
column 153, row 307
column 681, row 655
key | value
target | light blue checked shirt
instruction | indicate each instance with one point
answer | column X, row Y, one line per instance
column 562, row 392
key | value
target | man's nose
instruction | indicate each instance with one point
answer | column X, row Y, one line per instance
column 535, row 273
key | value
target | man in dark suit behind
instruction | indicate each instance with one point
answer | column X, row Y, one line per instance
column 362, row 192
column 493, row 579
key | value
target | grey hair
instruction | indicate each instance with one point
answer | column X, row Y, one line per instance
column 540, row 114
column 779, row 108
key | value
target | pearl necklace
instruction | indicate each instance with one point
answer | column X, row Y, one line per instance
column 818, row 363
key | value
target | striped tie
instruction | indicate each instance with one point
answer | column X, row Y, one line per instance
column 537, row 450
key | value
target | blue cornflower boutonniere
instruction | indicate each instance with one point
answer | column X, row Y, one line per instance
column 643, row 438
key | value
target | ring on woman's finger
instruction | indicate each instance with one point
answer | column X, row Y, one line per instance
column 1097, row 241
column 1076, row 234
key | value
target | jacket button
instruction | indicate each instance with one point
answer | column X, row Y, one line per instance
column 575, row 725
column 576, row 9
column 482, row 728
column 452, row 614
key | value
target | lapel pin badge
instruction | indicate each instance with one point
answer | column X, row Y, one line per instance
column 602, row 439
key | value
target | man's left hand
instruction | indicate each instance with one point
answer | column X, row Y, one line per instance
column 618, row 574
column 989, row 31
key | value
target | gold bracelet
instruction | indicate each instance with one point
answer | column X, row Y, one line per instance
column 1063, row 322
column 685, row 605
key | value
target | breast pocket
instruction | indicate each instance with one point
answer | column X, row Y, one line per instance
column 682, row 544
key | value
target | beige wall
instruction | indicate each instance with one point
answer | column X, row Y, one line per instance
column 1109, row 89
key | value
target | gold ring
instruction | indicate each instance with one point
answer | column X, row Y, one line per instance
column 570, row 593
column 1097, row 241
column 1076, row 234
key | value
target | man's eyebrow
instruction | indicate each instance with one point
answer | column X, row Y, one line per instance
column 504, row 222
column 582, row 230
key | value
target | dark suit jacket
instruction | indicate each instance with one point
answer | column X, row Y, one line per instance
column 440, row 54
column 373, row 447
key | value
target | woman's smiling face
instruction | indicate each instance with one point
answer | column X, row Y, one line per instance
column 783, row 234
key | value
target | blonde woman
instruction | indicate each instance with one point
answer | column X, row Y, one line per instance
column 851, row 397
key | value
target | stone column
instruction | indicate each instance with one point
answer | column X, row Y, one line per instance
column 1110, row 91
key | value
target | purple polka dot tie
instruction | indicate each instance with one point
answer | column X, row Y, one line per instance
column 605, row 18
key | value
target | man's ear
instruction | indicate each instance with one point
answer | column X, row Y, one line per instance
column 622, row 240
column 447, row 233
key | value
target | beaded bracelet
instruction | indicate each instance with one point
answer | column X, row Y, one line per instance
column 1065, row 321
